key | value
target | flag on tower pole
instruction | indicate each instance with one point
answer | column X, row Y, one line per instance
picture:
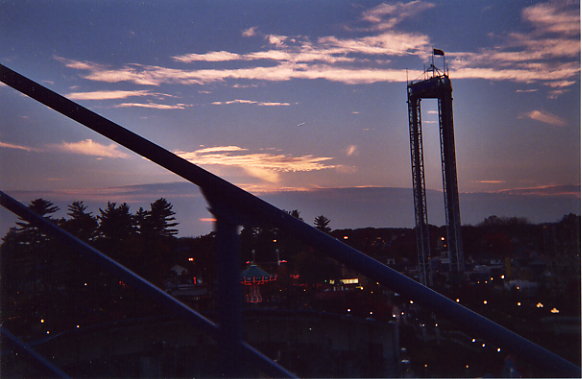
column 438, row 52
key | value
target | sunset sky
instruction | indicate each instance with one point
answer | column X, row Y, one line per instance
column 292, row 97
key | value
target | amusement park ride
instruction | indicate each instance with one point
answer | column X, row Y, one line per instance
column 435, row 85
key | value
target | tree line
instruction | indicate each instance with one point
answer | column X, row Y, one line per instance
column 44, row 279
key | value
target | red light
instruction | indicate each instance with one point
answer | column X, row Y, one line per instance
column 194, row 280
column 190, row 259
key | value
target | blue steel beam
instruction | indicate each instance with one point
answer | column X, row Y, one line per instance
column 255, row 210
column 41, row 361
column 133, row 279
column 229, row 294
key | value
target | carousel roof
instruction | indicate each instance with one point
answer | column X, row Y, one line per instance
column 256, row 275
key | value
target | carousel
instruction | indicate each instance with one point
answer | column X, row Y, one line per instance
column 253, row 277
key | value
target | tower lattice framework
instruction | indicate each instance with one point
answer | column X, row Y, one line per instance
column 438, row 87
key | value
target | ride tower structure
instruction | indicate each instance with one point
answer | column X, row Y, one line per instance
column 435, row 85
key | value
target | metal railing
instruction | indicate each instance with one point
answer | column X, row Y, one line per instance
column 232, row 207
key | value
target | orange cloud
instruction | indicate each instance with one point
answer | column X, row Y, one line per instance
column 90, row 147
column 351, row 150
column 152, row 105
column 545, row 117
column 554, row 17
column 490, row 181
column 17, row 147
column 250, row 32
column 545, row 190
column 106, row 95
column 265, row 166
column 389, row 43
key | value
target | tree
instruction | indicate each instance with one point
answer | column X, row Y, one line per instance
column 141, row 221
column 161, row 218
column 28, row 232
column 81, row 223
column 321, row 223
column 31, row 261
column 116, row 225
column 504, row 221
column 41, row 207
column 155, row 240
column 295, row 213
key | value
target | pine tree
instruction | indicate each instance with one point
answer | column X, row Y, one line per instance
column 161, row 220
column 116, row 227
column 321, row 223
column 81, row 223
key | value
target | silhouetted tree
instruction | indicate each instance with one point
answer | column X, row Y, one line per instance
column 81, row 223
column 29, row 268
column 156, row 228
column 141, row 221
column 503, row 221
column 161, row 218
column 116, row 223
column 30, row 233
column 321, row 223
column 295, row 213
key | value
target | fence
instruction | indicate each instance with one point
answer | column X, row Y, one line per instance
column 232, row 207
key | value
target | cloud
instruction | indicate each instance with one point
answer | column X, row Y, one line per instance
column 305, row 54
column 106, row 95
column 390, row 43
column 79, row 65
column 554, row 94
column 547, row 55
column 351, row 150
column 276, row 40
column 7, row 145
column 213, row 56
column 545, row 190
column 259, row 103
column 265, row 166
column 490, row 181
column 545, row 117
column 387, row 16
column 152, row 106
column 219, row 149
column 250, row 32
column 90, row 147
column 559, row 17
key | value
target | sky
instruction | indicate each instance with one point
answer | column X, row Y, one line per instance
column 294, row 99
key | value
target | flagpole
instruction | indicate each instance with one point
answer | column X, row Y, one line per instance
column 433, row 66
column 445, row 65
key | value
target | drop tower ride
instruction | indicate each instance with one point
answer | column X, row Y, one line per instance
column 437, row 86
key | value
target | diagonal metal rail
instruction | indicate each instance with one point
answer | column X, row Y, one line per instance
column 252, row 210
column 139, row 283
column 41, row 361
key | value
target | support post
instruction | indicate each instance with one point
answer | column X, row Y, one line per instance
column 229, row 295
column 418, row 187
